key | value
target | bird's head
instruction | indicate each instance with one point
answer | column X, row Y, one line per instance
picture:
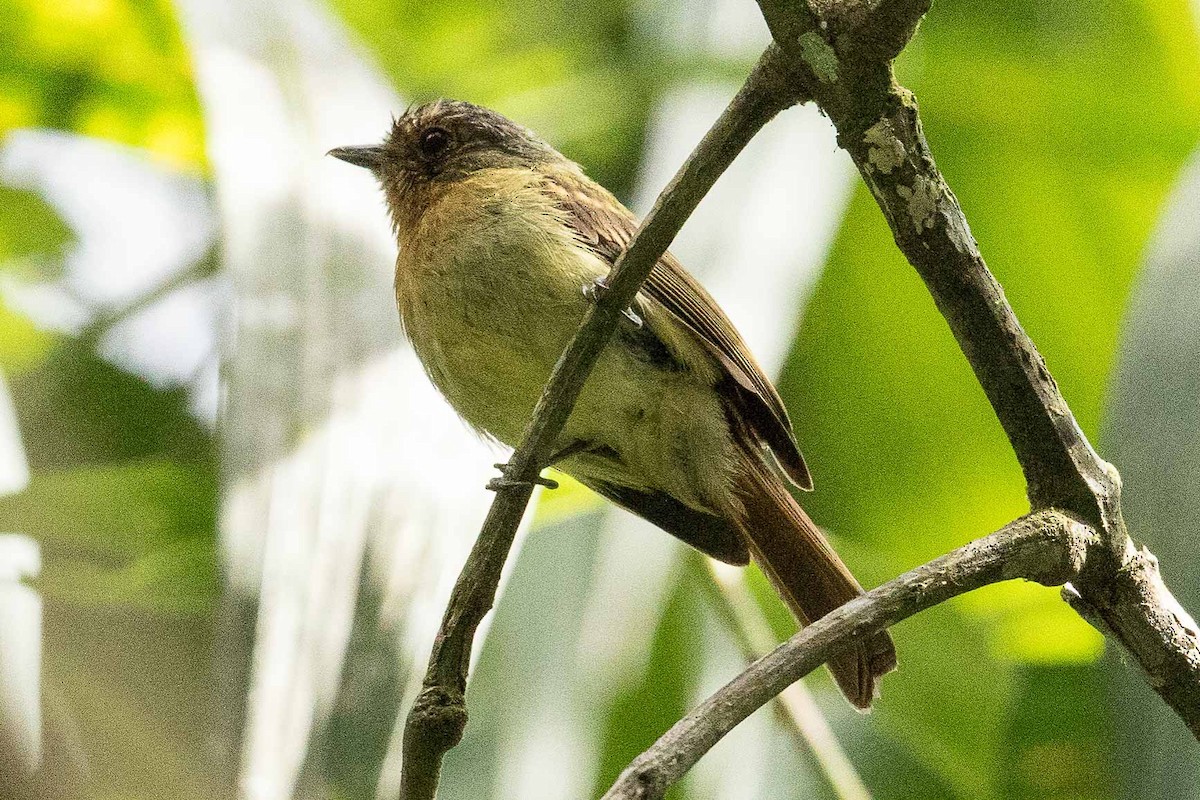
column 446, row 141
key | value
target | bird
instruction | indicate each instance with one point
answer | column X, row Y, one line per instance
column 502, row 244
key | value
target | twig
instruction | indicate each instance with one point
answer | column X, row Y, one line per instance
column 1048, row 547
column 436, row 721
column 99, row 327
column 730, row 598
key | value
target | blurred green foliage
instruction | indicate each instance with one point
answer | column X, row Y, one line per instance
column 122, row 497
column 1061, row 128
column 116, row 69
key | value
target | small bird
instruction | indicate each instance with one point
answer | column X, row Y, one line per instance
column 502, row 243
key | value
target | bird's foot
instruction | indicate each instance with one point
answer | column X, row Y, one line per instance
column 595, row 291
column 504, row 481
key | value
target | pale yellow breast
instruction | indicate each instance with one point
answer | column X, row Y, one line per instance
column 490, row 288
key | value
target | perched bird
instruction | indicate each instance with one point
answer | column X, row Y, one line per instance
column 501, row 240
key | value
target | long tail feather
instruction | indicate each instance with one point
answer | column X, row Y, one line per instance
column 807, row 573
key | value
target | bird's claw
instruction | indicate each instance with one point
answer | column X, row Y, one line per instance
column 595, row 290
column 504, row 482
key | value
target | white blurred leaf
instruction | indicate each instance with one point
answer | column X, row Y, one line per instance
column 335, row 445
column 1152, row 434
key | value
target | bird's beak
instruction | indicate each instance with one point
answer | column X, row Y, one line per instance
column 369, row 156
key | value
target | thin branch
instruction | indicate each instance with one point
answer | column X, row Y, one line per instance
column 100, row 326
column 730, row 597
column 1048, row 547
column 438, row 717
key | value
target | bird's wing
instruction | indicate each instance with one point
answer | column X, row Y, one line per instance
column 603, row 224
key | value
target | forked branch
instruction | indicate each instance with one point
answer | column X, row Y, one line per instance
column 849, row 75
column 839, row 53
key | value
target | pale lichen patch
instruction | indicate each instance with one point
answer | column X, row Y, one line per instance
column 921, row 200
column 886, row 151
column 819, row 56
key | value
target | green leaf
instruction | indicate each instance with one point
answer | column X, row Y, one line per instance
column 74, row 408
column 140, row 534
column 571, row 499
column 114, row 512
column 116, row 69
column 1031, row 623
column 33, row 242
column 22, row 344
column 32, row 235
column 1059, row 744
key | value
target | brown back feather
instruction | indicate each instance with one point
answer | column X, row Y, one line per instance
column 602, row 223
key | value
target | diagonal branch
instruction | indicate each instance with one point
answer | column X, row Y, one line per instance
column 843, row 55
column 878, row 125
column 438, row 717
column 731, row 600
column 838, row 53
column 1048, row 547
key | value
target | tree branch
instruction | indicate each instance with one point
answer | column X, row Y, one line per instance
column 731, row 600
column 838, row 52
column 842, row 54
column 1136, row 608
column 878, row 125
column 1048, row 547
column 438, row 716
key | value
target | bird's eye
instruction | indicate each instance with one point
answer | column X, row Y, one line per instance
column 434, row 142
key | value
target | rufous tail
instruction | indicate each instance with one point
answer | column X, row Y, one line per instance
column 809, row 576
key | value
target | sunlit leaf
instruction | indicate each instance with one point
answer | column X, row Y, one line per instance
column 116, row 69
column 22, row 343
column 1031, row 623
column 570, row 499
column 31, row 233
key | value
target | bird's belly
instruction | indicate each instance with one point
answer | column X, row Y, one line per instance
column 489, row 310
column 641, row 427
column 492, row 381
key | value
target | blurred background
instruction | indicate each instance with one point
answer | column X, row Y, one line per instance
column 231, row 506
